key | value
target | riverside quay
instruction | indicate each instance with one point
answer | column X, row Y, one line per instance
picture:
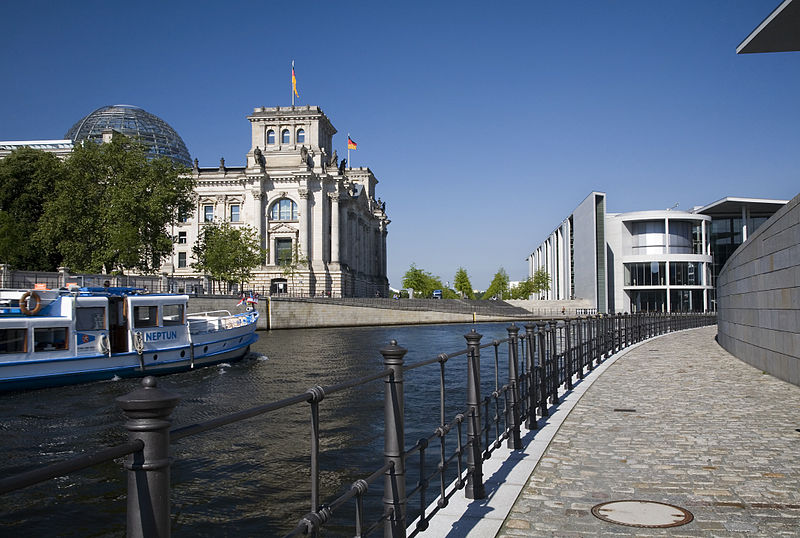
column 494, row 401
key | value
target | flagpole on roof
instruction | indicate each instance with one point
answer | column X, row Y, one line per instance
column 348, row 151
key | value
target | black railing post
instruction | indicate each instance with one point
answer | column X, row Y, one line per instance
column 568, row 354
column 579, row 345
column 541, row 346
column 555, row 373
column 394, row 488
column 474, row 488
column 531, row 421
column 147, row 410
column 514, row 439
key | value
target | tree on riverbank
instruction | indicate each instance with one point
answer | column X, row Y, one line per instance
column 498, row 287
column 228, row 254
column 541, row 282
column 112, row 208
column 462, row 284
column 422, row 282
column 28, row 178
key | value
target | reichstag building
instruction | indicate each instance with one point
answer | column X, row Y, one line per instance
column 320, row 222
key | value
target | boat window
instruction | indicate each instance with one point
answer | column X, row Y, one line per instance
column 173, row 314
column 90, row 318
column 13, row 340
column 145, row 316
column 50, row 338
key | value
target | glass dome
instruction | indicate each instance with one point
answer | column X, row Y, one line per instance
column 136, row 123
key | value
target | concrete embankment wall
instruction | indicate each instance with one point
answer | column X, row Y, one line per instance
column 278, row 314
column 758, row 297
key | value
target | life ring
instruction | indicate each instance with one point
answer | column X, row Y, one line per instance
column 23, row 303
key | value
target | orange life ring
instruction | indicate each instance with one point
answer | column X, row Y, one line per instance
column 23, row 303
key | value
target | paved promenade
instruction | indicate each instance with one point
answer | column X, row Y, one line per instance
column 675, row 420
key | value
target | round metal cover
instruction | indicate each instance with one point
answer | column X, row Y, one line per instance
column 648, row 514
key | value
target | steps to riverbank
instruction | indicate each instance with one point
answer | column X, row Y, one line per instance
column 676, row 420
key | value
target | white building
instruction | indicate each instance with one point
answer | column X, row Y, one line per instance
column 664, row 261
column 303, row 206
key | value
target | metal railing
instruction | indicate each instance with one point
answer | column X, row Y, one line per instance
column 538, row 359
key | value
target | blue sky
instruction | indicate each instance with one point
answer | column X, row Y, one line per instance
column 485, row 123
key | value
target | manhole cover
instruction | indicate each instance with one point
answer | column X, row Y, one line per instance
column 649, row 514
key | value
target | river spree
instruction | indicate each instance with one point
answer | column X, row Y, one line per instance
column 249, row 478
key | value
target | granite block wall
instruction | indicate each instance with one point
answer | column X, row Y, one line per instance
column 758, row 297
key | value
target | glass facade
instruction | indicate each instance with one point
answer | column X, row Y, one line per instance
column 645, row 274
column 134, row 123
column 685, row 274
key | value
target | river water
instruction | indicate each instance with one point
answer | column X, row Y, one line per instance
column 249, row 478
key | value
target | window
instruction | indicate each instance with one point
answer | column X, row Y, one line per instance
column 283, row 251
column 235, row 213
column 285, row 136
column 648, row 237
column 145, row 316
column 301, row 136
column 173, row 314
column 271, row 137
column 91, row 318
column 13, row 340
column 685, row 273
column 645, row 274
column 208, row 213
column 283, row 209
column 181, row 259
column 50, row 338
column 181, row 238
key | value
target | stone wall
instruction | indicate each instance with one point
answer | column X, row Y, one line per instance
column 278, row 314
column 758, row 297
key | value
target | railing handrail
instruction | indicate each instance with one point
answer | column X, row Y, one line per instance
column 553, row 352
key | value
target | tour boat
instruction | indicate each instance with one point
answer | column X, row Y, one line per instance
column 59, row 337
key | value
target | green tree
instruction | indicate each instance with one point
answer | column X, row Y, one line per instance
column 422, row 282
column 462, row 284
column 112, row 209
column 541, row 281
column 28, row 178
column 524, row 289
column 227, row 253
column 499, row 286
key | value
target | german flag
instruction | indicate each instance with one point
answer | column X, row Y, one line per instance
column 294, row 82
column 351, row 144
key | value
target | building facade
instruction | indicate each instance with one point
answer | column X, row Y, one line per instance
column 662, row 261
column 322, row 226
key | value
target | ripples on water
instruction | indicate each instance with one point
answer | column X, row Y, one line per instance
column 251, row 477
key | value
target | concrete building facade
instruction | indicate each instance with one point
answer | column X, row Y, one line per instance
column 322, row 226
column 664, row 261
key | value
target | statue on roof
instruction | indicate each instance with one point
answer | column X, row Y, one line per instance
column 258, row 156
column 341, row 166
column 334, row 162
column 304, row 155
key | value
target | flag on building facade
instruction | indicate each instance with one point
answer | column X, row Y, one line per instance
column 294, row 82
column 351, row 144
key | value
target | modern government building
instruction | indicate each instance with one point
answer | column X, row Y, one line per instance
column 656, row 260
column 323, row 228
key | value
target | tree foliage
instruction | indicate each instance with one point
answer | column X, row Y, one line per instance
column 227, row 253
column 28, row 179
column 297, row 262
column 112, row 208
column 499, row 286
column 541, row 281
column 524, row 289
column 462, row 284
column 422, row 282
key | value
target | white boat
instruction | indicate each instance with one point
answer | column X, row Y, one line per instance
column 60, row 337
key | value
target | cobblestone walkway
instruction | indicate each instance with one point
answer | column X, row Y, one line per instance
column 709, row 433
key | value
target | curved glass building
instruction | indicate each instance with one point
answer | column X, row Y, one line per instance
column 135, row 123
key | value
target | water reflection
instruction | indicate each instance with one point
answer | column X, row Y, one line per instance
column 247, row 478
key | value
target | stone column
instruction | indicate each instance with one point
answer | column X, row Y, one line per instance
column 334, row 196
column 304, row 235
column 258, row 216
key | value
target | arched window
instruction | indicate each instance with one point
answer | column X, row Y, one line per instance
column 285, row 136
column 301, row 136
column 271, row 137
column 283, row 209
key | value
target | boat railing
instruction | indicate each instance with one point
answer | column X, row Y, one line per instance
column 533, row 367
column 209, row 314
